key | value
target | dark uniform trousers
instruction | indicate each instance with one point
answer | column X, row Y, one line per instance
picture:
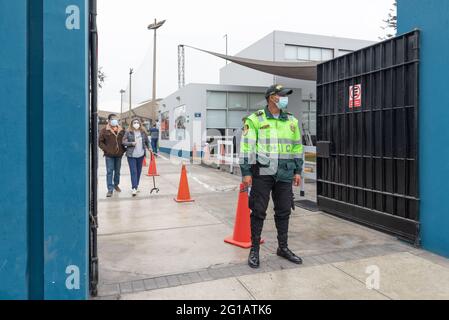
column 282, row 194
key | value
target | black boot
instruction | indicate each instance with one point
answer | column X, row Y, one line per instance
column 256, row 232
column 283, row 251
column 286, row 253
column 254, row 259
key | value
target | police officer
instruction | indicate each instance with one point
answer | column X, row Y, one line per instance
column 271, row 163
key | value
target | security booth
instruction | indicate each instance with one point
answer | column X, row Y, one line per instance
column 368, row 110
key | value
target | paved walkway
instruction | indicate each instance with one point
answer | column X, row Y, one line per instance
column 154, row 248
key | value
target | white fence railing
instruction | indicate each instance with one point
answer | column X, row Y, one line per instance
column 224, row 155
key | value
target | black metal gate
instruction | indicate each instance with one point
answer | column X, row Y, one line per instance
column 368, row 136
column 93, row 210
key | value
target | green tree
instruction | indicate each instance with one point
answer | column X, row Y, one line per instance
column 101, row 78
column 391, row 23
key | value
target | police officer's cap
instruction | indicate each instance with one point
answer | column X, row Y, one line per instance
column 278, row 90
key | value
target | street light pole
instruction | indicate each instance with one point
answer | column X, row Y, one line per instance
column 122, row 92
column 154, row 64
column 156, row 25
column 131, row 71
column 226, row 36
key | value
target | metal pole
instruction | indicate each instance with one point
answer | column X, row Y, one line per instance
column 121, row 104
column 181, row 67
column 130, row 91
column 153, row 111
column 226, row 36
column 274, row 54
column 226, row 47
column 154, row 27
column 93, row 214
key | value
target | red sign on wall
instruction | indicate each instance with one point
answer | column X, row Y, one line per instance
column 355, row 96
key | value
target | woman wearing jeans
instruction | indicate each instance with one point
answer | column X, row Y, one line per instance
column 136, row 142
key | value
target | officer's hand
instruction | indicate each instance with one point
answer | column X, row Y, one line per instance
column 297, row 180
column 248, row 181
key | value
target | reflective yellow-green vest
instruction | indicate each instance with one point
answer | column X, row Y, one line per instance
column 269, row 141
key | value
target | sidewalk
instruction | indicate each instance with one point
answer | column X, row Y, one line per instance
column 154, row 248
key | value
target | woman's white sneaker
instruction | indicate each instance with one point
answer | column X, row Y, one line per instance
column 134, row 192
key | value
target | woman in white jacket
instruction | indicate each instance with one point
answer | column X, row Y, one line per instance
column 137, row 143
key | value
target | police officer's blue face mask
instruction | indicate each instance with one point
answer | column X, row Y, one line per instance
column 283, row 103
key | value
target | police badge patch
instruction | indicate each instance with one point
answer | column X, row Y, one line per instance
column 246, row 130
column 293, row 128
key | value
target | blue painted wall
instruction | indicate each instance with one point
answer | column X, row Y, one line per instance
column 13, row 150
column 44, row 150
column 66, row 151
column 432, row 18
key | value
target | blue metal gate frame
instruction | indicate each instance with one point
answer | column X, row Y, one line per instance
column 431, row 17
column 44, row 196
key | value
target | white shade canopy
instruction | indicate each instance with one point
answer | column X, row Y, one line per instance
column 293, row 70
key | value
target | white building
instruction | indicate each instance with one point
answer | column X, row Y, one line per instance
column 196, row 113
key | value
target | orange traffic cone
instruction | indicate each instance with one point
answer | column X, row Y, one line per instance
column 152, row 171
column 242, row 229
column 184, row 190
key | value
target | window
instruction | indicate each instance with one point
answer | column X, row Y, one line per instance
column 302, row 53
column 291, row 53
column 225, row 110
column 305, row 121
column 257, row 101
column 238, row 101
column 315, row 54
column 309, row 117
column 343, row 52
column 216, row 100
column 327, row 54
column 235, row 119
column 312, row 123
column 216, row 119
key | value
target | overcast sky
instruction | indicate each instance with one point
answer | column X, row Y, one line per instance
column 125, row 41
